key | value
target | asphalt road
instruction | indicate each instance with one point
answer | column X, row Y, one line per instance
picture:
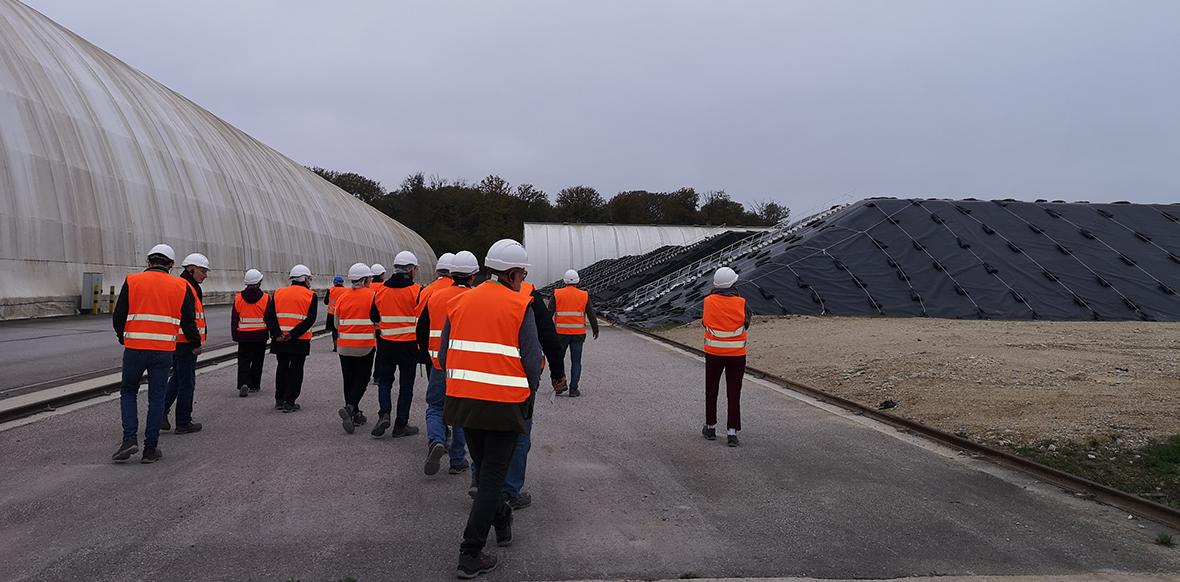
column 40, row 353
column 624, row 487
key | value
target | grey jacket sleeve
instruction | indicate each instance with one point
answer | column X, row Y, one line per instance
column 531, row 354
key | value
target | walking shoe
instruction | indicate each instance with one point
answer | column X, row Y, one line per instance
column 279, row 405
column 242, row 390
column 187, row 428
column 151, row 455
column 459, row 469
column 434, row 458
column 471, row 491
column 346, row 418
column 256, row 389
column 381, row 426
column 504, row 533
column 290, row 407
column 125, row 451
column 521, row 501
column 359, row 419
column 574, row 392
column 472, row 566
column 709, row 433
column 731, row 440
column 404, row 431
column 164, row 424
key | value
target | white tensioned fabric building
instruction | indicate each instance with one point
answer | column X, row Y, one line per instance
column 98, row 162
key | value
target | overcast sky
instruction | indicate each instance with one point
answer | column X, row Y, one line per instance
column 807, row 103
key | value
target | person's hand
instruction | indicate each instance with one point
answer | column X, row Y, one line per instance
column 559, row 385
column 283, row 338
column 596, row 335
column 197, row 351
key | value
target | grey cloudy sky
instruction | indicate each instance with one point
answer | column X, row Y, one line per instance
column 808, row 103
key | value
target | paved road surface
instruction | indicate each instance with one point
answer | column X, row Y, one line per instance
column 623, row 484
column 39, row 353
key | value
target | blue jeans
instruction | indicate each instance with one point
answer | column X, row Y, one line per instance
column 135, row 363
column 436, row 427
column 514, row 482
column 182, row 384
column 574, row 343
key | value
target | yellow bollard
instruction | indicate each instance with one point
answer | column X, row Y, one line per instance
column 111, row 300
column 97, row 291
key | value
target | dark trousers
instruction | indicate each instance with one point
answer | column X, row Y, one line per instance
column 573, row 344
column 355, row 371
column 492, row 451
column 251, row 355
column 135, row 363
column 397, row 357
column 332, row 326
column 182, row 385
column 288, row 377
column 734, row 368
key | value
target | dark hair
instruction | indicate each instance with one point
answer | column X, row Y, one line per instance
column 160, row 261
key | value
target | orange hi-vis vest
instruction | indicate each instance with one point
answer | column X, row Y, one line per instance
column 291, row 306
column 399, row 312
column 374, row 285
column 251, row 315
column 436, row 310
column 527, row 288
column 333, row 296
column 200, row 313
column 569, row 310
column 353, row 312
column 153, row 311
column 427, row 291
column 725, row 325
column 483, row 349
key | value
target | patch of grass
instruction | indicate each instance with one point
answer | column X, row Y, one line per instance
column 1151, row 471
column 1164, row 540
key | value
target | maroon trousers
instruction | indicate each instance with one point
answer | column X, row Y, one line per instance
column 734, row 367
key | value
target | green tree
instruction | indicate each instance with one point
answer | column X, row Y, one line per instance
column 718, row 208
column 366, row 189
column 770, row 213
column 580, row 204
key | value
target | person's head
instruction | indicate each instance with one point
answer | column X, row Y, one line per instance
column 443, row 266
column 376, row 271
column 300, row 275
column 463, row 267
column 406, row 263
column 338, row 281
column 253, row 278
column 197, row 266
column 725, row 278
column 358, row 275
column 571, row 278
column 161, row 256
column 508, row 261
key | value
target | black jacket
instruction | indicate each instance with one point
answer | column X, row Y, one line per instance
column 188, row 313
column 251, row 294
column 547, row 333
column 292, row 346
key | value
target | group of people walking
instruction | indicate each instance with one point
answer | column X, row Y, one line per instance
column 484, row 348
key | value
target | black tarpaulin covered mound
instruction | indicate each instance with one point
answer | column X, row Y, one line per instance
column 962, row 259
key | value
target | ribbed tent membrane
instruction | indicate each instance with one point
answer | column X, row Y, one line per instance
column 964, row 259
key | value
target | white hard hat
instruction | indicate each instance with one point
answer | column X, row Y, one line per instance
column 405, row 258
column 571, row 277
column 444, row 262
column 253, row 277
column 196, row 260
column 724, row 278
column 506, row 254
column 299, row 271
column 359, row 271
column 165, row 250
column 464, row 263
column 376, row 269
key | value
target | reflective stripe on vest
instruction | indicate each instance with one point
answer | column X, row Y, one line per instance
column 398, row 307
column 154, row 300
column 724, row 320
column 353, row 310
column 569, row 305
column 483, row 353
column 200, row 313
column 291, row 306
column 251, row 315
column 436, row 312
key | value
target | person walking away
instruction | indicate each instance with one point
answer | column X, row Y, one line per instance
column 395, row 308
column 491, row 357
column 463, row 267
column 377, row 279
column 330, row 300
column 442, row 272
column 726, row 319
column 247, row 325
column 572, row 309
column 357, row 343
column 289, row 317
column 152, row 310
column 183, row 383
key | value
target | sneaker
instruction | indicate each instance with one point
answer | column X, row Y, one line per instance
column 125, row 451
column 164, row 424
column 187, row 428
column 290, row 407
column 471, row 491
column 574, row 392
column 359, row 419
column 521, row 501
column 709, row 433
column 381, row 426
column 459, row 469
column 472, row 566
column 279, row 405
column 346, row 419
column 504, row 534
column 242, row 390
column 404, row 431
column 731, row 440
column 151, row 455
column 434, row 458
column 256, row 389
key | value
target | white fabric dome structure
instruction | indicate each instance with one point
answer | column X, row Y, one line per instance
column 98, row 162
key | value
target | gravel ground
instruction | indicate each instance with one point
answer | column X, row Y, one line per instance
column 1001, row 382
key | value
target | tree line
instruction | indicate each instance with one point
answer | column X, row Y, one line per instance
column 456, row 214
